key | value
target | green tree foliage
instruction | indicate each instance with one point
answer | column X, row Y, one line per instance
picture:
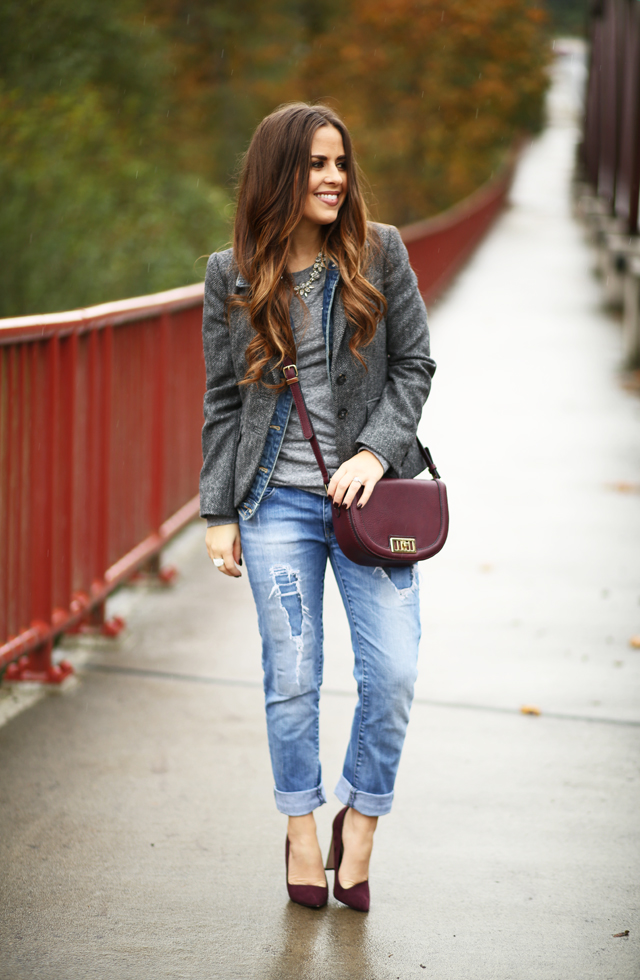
column 569, row 17
column 234, row 61
column 122, row 124
column 95, row 203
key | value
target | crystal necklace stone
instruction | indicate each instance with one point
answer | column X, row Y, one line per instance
column 304, row 288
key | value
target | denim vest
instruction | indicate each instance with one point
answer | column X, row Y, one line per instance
column 282, row 411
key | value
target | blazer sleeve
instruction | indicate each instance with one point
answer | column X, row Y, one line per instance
column 391, row 428
column 222, row 403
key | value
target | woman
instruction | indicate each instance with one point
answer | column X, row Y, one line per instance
column 309, row 278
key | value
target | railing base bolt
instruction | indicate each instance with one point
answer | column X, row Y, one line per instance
column 111, row 628
column 24, row 671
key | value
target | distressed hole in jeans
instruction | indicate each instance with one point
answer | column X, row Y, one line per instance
column 404, row 579
column 286, row 588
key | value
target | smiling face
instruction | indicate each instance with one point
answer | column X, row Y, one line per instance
column 327, row 188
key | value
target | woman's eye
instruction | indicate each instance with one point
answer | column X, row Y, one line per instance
column 316, row 164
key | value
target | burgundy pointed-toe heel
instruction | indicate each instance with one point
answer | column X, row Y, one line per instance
column 357, row 897
column 313, row 896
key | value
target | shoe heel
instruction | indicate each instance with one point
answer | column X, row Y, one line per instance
column 311, row 896
column 331, row 864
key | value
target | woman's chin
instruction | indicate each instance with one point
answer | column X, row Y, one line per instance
column 325, row 217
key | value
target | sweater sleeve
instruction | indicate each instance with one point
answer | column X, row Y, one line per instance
column 214, row 521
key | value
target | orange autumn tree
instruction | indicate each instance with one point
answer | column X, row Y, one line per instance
column 434, row 92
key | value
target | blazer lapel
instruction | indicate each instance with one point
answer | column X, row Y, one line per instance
column 339, row 326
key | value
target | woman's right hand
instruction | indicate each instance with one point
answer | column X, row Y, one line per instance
column 224, row 542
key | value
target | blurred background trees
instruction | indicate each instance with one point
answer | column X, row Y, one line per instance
column 122, row 124
column 96, row 203
column 568, row 18
column 433, row 91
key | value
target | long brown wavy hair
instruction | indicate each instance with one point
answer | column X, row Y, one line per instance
column 272, row 193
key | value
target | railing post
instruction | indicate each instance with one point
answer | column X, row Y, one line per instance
column 65, row 490
column 10, row 481
column 37, row 665
column 631, row 321
column 102, row 450
column 159, row 408
column 152, row 573
column 99, row 456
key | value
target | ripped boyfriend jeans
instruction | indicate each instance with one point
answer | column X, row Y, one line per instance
column 285, row 546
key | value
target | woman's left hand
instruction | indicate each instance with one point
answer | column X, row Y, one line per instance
column 362, row 470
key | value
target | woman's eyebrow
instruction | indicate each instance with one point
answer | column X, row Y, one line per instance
column 321, row 156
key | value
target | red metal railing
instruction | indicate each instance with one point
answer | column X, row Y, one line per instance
column 439, row 246
column 100, row 415
column 611, row 144
column 100, row 418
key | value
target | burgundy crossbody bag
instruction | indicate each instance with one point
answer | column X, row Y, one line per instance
column 404, row 521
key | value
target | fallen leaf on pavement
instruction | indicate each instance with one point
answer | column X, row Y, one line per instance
column 530, row 709
column 625, row 486
column 621, row 935
column 635, row 642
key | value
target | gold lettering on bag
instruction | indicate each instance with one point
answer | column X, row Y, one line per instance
column 405, row 546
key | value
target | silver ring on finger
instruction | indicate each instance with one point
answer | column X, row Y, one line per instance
column 356, row 480
column 218, row 562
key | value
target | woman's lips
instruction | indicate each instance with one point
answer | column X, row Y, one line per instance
column 330, row 199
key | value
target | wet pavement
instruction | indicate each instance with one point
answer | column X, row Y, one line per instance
column 138, row 834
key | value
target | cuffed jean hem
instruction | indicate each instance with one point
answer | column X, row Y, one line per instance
column 370, row 804
column 298, row 804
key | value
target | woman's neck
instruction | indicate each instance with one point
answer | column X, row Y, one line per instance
column 305, row 243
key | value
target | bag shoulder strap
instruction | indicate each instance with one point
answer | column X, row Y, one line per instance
column 428, row 458
column 290, row 372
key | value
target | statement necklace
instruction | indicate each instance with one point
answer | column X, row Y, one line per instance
column 304, row 288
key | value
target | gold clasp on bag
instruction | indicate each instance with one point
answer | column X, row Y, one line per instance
column 405, row 546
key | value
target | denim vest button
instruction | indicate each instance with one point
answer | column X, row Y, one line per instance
column 342, row 414
column 340, row 380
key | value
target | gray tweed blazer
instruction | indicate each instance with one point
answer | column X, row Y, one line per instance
column 379, row 407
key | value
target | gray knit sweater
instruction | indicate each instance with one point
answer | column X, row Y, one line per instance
column 296, row 465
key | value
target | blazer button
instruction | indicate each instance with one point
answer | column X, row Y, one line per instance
column 340, row 380
column 342, row 414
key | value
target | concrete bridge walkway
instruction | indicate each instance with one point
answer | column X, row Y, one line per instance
column 138, row 836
